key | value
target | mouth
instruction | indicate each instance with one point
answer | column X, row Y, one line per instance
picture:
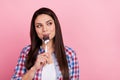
column 46, row 37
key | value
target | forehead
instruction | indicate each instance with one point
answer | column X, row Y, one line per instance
column 43, row 18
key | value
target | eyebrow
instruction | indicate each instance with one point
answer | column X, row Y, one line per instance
column 46, row 21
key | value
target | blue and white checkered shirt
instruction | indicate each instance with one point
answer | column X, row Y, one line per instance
column 73, row 65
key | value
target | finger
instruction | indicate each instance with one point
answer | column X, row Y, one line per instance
column 45, row 54
column 43, row 60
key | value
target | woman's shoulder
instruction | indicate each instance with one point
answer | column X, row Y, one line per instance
column 26, row 49
column 70, row 51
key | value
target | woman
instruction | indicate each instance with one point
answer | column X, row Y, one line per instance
column 51, row 61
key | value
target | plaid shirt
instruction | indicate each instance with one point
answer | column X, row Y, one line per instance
column 72, row 64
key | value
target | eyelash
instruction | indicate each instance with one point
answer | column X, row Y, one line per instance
column 39, row 26
column 49, row 23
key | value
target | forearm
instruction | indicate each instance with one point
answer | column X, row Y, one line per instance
column 30, row 74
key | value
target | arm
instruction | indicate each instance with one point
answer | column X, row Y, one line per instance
column 29, row 75
column 73, row 64
column 21, row 73
column 41, row 60
column 20, row 69
column 75, row 67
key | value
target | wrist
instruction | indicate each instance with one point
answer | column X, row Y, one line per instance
column 30, row 74
column 33, row 69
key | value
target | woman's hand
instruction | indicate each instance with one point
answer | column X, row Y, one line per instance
column 42, row 59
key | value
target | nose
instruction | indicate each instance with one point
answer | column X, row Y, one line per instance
column 44, row 28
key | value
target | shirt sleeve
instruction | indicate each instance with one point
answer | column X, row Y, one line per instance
column 75, row 67
column 20, row 67
column 73, row 64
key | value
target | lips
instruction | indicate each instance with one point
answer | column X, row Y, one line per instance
column 46, row 37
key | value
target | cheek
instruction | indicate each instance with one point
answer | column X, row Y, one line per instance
column 53, row 32
column 53, row 29
column 39, row 34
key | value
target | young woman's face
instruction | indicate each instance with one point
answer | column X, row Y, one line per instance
column 44, row 25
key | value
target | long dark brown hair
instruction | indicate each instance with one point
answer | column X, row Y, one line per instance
column 36, row 42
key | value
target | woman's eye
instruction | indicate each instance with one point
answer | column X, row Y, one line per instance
column 38, row 26
column 49, row 23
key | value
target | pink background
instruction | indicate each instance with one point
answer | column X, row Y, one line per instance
column 90, row 27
